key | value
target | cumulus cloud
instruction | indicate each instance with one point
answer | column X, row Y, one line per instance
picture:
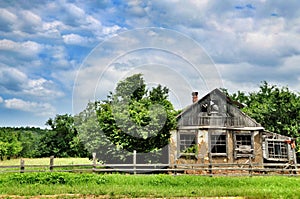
column 146, row 51
column 41, row 109
column 43, row 43
column 74, row 39
column 14, row 81
column 7, row 20
column 26, row 49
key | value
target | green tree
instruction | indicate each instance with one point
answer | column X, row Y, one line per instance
column 30, row 138
column 132, row 118
column 277, row 109
column 9, row 145
column 93, row 138
column 136, row 119
column 62, row 140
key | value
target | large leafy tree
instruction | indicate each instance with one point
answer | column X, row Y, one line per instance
column 93, row 138
column 62, row 140
column 277, row 109
column 131, row 118
column 136, row 119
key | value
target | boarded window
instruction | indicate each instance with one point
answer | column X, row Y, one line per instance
column 218, row 144
column 243, row 143
column 187, row 143
column 277, row 149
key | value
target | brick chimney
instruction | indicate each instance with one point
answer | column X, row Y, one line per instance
column 195, row 96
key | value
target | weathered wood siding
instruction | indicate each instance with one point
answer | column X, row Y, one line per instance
column 203, row 153
column 227, row 115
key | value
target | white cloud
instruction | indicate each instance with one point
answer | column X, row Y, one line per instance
column 41, row 109
column 74, row 39
column 145, row 51
column 111, row 30
column 25, row 49
column 42, row 88
column 249, row 42
column 14, row 81
column 74, row 11
column 7, row 19
column 30, row 18
column 11, row 79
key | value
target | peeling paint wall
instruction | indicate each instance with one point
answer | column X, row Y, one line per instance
column 203, row 153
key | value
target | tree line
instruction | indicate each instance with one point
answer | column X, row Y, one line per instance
column 134, row 117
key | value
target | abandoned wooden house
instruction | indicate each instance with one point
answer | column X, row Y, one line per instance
column 214, row 130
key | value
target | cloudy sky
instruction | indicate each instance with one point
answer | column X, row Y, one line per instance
column 57, row 55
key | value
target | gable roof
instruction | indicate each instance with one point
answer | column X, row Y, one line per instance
column 229, row 110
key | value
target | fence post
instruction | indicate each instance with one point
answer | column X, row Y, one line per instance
column 134, row 162
column 295, row 159
column 250, row 166
column 210, row 165
column 51, row 163
column 94, row 161
column 22, row 166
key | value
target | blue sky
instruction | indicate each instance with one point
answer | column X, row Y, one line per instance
column 48, row 65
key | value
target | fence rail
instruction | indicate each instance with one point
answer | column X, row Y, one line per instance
column 199, row 169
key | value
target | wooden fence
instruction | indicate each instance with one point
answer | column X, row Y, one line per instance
column 227, row 169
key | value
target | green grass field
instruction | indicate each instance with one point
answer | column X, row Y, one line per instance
column 130, row 186
column 46, row 161
column 44, row 164
column 58, row 184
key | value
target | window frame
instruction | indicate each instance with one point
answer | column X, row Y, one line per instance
column 281, row 141
column 237, row 153
column 187, row 132
column 226, row 143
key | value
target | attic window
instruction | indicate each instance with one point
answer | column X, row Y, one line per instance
column 204, row 107
column 218, row 144
column 277, row 150
column 213, row 107
column 244, row 145
column 187, row 143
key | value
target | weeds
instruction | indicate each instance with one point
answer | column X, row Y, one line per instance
column 115, row 185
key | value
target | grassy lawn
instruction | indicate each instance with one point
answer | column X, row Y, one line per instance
column 44, row 162
column 116, row 186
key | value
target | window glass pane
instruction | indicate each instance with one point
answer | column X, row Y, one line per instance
column 243, row 140
column 187, row 143
column 243, row 144
column 277, row 150
column 218, row 144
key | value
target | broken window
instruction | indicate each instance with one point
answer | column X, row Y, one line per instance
column 218, row 144
column 243, row 143
column 277, row 149
column 213, row 107
column 187, row 143
column 204, row 107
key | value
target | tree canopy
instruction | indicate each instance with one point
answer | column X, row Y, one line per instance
column 62, row 140
column 276, row 109
column 136, row 119
column 133, row 117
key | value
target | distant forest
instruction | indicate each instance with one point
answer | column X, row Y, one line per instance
column 30, row 142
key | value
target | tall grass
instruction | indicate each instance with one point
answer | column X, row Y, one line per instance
column 114, row 185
